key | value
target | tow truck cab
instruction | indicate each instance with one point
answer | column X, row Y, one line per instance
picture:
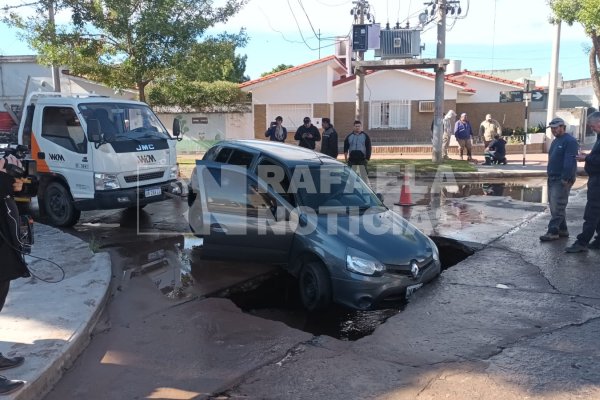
column 96, row 152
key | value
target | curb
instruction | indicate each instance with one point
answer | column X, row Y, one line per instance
column 46, row 377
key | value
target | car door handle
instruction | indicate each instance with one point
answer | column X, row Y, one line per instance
column 218, row 228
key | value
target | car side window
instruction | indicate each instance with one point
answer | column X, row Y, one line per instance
column 276, row 177
column 240, row 157
column 62, row 126
column 232, row 192
column 223, row 155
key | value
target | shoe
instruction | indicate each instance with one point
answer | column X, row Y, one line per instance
column 504, row 162
column 576, row 248
column 548, row 237
column 595, row 244
column 6, row 363
column 563, row 234
column 446, row 158
column 8, row 386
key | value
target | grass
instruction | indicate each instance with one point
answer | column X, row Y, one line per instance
column 422, row 166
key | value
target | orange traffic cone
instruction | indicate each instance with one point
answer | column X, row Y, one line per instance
column 405, row 196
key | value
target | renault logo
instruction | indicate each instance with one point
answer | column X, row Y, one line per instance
column 414, row 269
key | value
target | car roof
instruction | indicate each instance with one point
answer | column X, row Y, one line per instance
column 284, row 153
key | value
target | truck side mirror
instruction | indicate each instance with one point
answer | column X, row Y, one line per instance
column 176, row 128
column 93, row 130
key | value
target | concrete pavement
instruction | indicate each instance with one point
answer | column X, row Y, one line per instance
column 514, row 320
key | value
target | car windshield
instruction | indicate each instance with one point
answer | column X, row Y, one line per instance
column 123, row 121
column 331, row 188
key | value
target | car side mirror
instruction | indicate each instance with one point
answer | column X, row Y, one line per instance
column 177, row 129
column 93, row 130
column 379, row 196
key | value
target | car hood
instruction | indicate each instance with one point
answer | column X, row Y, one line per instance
column 386, row 236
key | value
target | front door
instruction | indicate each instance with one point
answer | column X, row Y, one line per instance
column 241, row 218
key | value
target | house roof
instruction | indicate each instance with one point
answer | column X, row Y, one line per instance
column 449, row 80
column 485, row 77
column 292, row 70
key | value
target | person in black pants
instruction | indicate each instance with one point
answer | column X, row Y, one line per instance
column 307, row 134
column 329, row 140
column 13, row 264
column 591, row 215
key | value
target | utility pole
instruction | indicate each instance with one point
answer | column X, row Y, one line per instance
column 553, row 84
column 55, row 70
column 440, row 70
column 359, row 16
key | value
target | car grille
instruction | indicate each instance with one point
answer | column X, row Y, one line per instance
column 404, row 270
column 144, row 177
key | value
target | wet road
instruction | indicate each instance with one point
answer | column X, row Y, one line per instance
column 157, row 269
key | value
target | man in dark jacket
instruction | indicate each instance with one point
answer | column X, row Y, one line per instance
column 562, row 170
column 464, row 134
column 329, row 142
column 13, row 265
column 307, row 134
column 495, row 152
column 277, row 132
column 591, row 215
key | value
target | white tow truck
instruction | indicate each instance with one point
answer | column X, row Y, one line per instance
column 93, row 152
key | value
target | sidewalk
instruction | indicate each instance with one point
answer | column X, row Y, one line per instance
column 50, row 324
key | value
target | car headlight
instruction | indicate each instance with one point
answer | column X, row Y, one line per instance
column 174, row 172
column 362, row 263
column 434, row 250
column 106, row 181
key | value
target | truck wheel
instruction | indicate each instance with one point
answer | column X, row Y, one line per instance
column 315, row 286
column 59, row 206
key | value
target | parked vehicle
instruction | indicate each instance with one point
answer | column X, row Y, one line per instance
column 93, row 152
column 266, row 201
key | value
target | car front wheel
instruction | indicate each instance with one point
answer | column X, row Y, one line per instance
column 315, row 286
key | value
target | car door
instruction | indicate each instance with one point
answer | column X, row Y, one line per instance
column 240, row 217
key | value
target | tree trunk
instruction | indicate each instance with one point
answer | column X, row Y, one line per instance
column 142, row 91
column 594, row 57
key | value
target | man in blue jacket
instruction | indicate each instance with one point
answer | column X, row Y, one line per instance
column 464, row 132
column 591, row 215
column 562, row 170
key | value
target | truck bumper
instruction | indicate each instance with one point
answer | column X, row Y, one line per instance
column 130, row 197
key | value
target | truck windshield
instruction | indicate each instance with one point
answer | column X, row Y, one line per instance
column 122, row 121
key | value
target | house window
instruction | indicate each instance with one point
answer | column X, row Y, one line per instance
column 292, row 114
column 389, row 114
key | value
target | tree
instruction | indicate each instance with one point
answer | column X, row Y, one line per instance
column 585, row 12
column 123, row 43
column 213, row 60
column 280, row 67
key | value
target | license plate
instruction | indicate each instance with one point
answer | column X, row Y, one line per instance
column 411, row 289
column 152, row 192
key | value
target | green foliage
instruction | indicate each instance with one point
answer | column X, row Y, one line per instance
column 212, row 60
column 123, row 43
column 195, row 95
column 586, row 12
column 280, row 67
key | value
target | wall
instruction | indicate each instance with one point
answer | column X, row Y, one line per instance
column 393, row 85
column 309, row 85
column 218, row 126
column 486, row 91
column 509, row 115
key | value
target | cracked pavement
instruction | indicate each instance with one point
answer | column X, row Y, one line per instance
column 518, row 319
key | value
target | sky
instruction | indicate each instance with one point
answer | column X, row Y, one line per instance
column 490, row 34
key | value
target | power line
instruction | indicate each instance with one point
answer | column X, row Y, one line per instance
column 309, row 21
column 298, row 26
